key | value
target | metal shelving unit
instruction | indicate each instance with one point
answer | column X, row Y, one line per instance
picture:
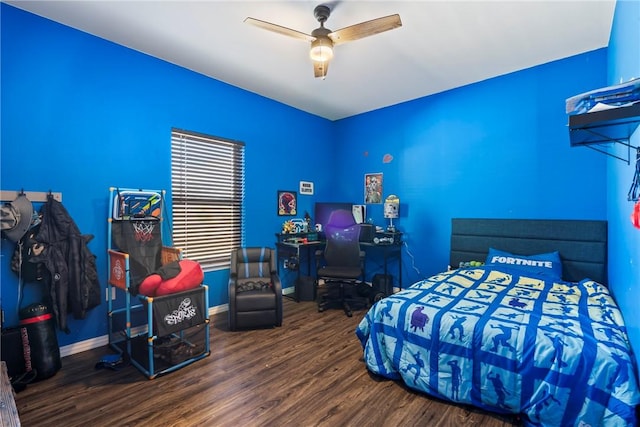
column 599, row 129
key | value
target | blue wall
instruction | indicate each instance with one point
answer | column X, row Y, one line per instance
column 498, row 148
column 80, row 114
column 624, row 239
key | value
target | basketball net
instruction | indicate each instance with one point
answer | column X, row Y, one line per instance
column 143, row 230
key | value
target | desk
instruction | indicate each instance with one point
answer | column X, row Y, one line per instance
column 302, row 253
column 288, row 247
column 389, row 251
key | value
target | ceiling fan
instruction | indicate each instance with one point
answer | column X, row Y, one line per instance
column 323, row 39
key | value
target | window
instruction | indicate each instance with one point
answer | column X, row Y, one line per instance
column 207, row 188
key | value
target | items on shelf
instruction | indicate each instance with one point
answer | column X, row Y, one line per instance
column 295, row 225
column 598, row 130
column 288, row 227
column 607, row 115
column 604, row 98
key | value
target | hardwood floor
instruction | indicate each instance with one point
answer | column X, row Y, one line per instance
column 309, row 372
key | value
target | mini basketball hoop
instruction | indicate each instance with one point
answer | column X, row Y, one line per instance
column 143, row 230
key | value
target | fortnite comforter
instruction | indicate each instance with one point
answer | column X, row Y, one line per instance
column 555, row 352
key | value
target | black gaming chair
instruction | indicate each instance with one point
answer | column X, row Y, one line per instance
column 255, row 290
column 341, row 264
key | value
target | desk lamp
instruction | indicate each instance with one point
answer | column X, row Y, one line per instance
column 391, row 208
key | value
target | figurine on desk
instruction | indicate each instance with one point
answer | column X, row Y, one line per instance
column 307, row 222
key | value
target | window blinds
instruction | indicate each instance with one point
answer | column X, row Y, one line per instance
column 207, row 185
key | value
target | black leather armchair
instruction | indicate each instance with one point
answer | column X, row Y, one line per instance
column 341, row 264
column 255, row 291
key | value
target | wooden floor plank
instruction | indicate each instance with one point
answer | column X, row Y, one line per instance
column 309, row 372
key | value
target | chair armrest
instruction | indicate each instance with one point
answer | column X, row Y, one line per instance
column 319, row 258
column 232, row 289
column 277, row 284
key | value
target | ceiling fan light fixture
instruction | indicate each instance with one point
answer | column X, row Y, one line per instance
column 323, row 39
column 321, row 49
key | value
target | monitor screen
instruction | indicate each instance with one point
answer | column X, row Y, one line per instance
column 323, row 211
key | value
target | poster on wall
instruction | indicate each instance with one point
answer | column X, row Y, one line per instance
column 373, row 188
column 287, row 203
column 306, row 187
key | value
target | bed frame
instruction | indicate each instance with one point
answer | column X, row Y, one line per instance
column 582, row 243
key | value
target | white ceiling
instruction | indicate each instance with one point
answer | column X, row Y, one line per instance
column 441, row 44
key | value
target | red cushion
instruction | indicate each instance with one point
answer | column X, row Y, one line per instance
column 150, row 284
column 191, row 276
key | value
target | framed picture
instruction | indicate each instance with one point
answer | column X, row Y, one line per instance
column 373, row 188
column 306, row 187
column 287, row 203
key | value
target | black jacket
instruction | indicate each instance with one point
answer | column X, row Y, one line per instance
column 72, row 274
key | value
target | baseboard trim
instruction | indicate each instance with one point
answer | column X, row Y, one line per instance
column 92, row 343
column 85, row 345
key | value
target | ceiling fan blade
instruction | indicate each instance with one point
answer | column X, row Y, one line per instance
column 280, row 29
column 365, row 29
column 320, row 68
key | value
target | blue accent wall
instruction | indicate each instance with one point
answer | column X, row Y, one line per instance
column 494, row 149
column 624, row 239
column 81, row 114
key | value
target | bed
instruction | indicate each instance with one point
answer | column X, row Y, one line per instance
column 523, row 325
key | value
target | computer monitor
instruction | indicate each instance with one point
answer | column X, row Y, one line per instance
column 323, row 210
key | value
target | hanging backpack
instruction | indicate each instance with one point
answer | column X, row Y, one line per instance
column 27, row 247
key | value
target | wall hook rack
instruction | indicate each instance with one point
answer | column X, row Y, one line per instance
column 34, row 196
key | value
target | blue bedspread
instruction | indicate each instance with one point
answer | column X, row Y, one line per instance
column 555, row 352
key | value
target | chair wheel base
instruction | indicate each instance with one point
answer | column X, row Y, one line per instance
column 377, row 297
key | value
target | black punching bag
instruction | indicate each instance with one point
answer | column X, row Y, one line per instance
column 43, row 341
